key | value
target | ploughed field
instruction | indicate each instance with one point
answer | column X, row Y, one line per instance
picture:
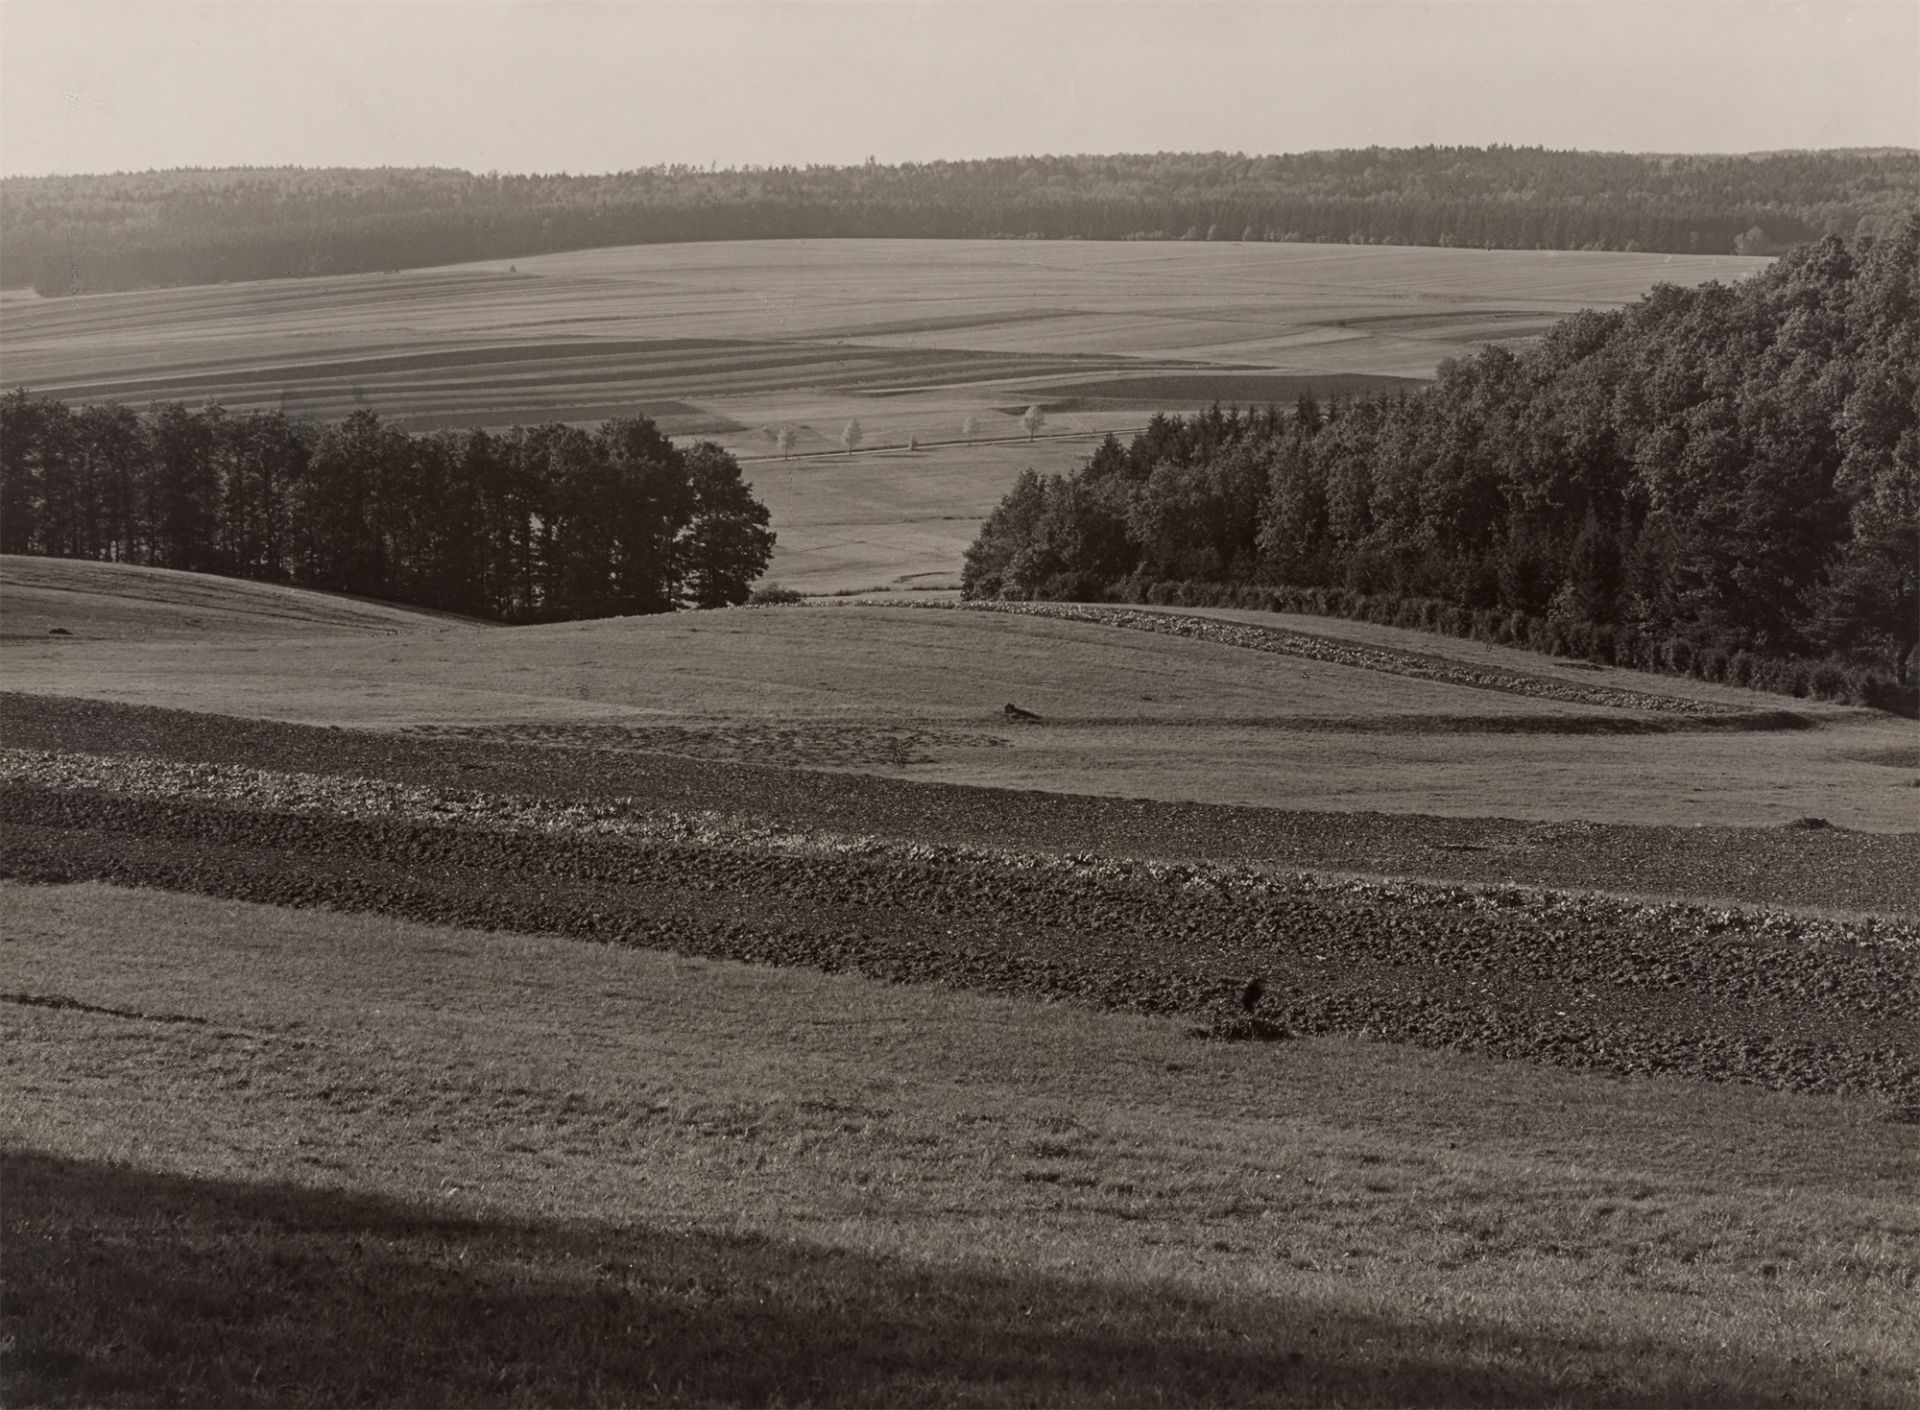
column 647, row 990
column 943, row 343
column 1132, row 906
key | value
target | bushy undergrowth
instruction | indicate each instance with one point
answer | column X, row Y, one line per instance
column 774, row 595
column 1844, row 682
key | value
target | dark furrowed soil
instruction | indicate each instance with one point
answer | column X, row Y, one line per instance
column 1823, row 867
column 1621, row 986
column 1043, row 895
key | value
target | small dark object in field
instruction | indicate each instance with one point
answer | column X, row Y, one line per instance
column 58, row 631
column 1251, row 995
column 1807, row 824
column 1014, row 712
column 1242, row 1030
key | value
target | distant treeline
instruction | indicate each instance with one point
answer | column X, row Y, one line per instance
column 1723, row 480
column 71, row 234
column 532, row 524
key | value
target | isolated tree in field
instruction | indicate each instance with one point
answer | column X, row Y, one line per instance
column 1033, row 418
column 785, row 440
column 851, row 435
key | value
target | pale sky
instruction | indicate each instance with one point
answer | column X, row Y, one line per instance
column 551, row 85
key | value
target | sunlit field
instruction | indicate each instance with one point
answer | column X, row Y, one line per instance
column 920, row 694
column 939, row 343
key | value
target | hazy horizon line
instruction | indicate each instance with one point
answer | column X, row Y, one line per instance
column 1849, row 149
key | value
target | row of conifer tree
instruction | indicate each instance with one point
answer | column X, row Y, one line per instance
column 530, row 524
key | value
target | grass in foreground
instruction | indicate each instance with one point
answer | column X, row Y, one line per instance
column 347, row 1160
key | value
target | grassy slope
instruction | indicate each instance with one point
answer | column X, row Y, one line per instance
column 1128, row 713
column 912, row 338
column 121, row 602
column 291, row 1157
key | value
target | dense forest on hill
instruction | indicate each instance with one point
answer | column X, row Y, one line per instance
column 532, row 524
column 1724, row 480
column 72, row 234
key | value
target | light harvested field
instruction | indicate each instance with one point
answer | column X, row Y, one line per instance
column 912, row 338
column 919, row 695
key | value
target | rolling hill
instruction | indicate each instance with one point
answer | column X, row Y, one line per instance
column 940, row 346
column 918, row 694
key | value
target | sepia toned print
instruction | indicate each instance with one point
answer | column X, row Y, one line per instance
column 959, row 703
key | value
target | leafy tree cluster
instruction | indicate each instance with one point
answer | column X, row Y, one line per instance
column 1711, row 472
column 531, row 524
column 66, row 234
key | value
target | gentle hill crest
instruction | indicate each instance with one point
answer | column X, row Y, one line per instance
column 88, row 601
column 921, row 695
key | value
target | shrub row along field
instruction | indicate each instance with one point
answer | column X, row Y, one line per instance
column 1847, row 682
column 1280, row 641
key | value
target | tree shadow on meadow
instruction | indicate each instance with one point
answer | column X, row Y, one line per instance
column 130, row 1287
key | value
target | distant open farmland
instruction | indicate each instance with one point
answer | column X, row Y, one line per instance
column 941, row 342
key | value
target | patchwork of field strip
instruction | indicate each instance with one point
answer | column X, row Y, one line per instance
column 935, row 347
column 715, row 326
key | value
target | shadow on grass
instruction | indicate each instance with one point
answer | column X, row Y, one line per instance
column 127, row 1287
